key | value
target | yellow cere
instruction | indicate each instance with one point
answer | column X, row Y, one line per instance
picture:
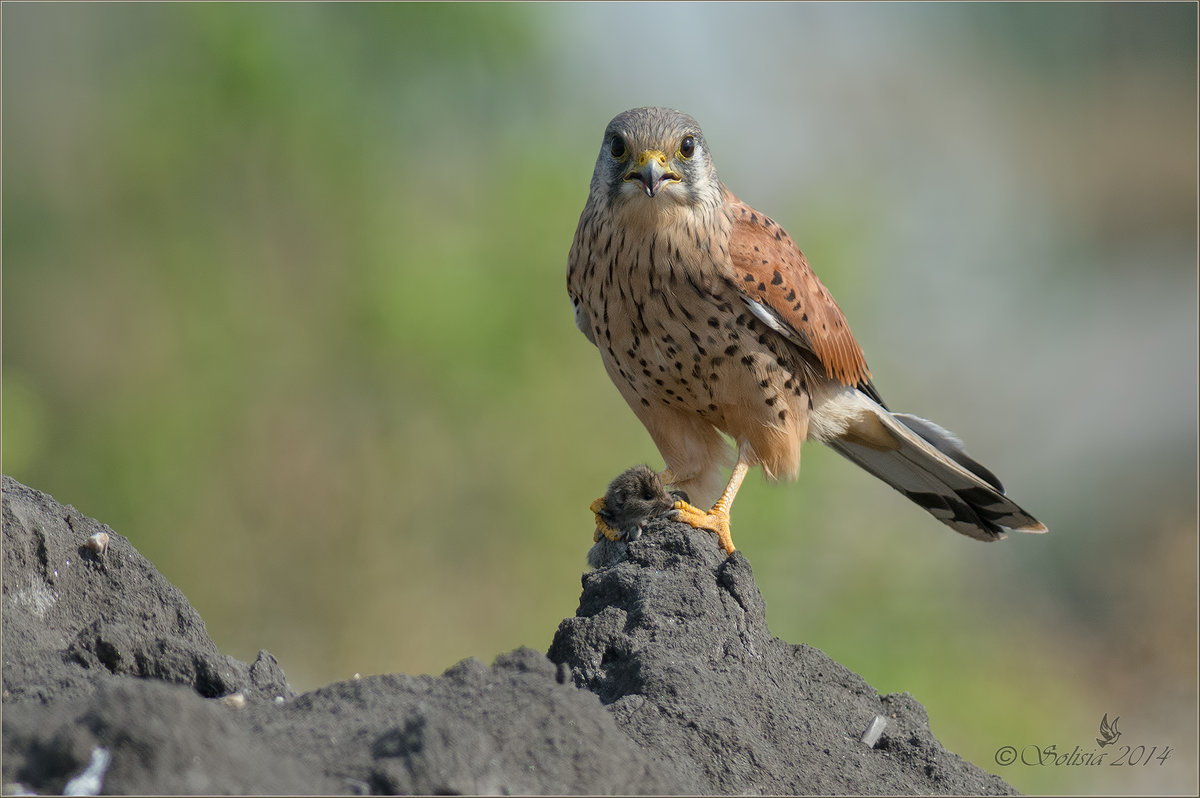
column 648, row 155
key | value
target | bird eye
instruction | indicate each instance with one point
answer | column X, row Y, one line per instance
column 687, row 147
column 616, row 147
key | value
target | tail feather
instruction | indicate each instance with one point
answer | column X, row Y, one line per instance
column 948, row 444
column 929, row 465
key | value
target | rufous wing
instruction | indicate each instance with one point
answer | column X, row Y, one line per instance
column 771, row 270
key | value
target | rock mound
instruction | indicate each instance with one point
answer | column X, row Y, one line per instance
column 666, row 681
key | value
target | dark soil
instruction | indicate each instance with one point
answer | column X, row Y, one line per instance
column 667, row 680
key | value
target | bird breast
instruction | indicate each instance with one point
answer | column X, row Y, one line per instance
column 674, row 332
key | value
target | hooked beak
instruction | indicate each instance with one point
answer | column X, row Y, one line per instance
column 651, row 171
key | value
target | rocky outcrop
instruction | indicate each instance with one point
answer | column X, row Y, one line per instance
column 667, row 680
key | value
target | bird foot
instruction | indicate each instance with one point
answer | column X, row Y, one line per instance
column 602, row 528
column 714, row 520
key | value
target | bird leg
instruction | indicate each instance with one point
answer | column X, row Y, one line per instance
column 716, row 519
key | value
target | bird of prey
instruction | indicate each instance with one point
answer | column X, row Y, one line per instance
column 709, row 320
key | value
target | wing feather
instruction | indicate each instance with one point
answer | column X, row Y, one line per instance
column 772, row 271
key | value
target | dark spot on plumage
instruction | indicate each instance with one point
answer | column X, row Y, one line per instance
column 701, row 350
column 642, row 362
column 713, row 377
column 778, row 237
column 762, row 339
column 685, row 313
column 979, row 497
column 749, row 278
column 783, row 415
column 753, row 217
column 771, row 401
column 804, row 317
column 695, row 338
column 762, row 286
column 645, row 402
column 747, row 360
column 678, row 398
column 765, row 261
column 631, row 353
column 731, row 349
column 713, row 321
column 658, row 382
column 790, row 382
column 646, row 373
column 678, row 366
column 797, row 306
column 926, row 500
column 712, row 408
column 763, row 383
column 777, row 278
column 791, row 295
column 717, row 361
column 670, row 392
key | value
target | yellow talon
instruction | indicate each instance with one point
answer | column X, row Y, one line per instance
column 715, row 520
column 601, row 527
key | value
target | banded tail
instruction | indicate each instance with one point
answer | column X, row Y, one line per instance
column 928, row 465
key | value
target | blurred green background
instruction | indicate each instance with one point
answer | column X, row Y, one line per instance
column 284, row 303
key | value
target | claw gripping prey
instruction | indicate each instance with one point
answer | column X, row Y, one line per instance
column 638, row 496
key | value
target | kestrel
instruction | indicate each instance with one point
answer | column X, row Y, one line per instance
column 709, row 320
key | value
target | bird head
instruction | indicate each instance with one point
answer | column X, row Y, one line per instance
column 654, row 158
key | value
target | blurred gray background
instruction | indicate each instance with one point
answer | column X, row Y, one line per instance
column 284, row 303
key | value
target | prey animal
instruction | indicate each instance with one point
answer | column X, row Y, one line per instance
column 709, row 320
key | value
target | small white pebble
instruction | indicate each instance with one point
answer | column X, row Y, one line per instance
column 874, row 731
column 98, row 543
column 91, row 780
column 357, row 676
column 235, row 701
column 279, row 699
